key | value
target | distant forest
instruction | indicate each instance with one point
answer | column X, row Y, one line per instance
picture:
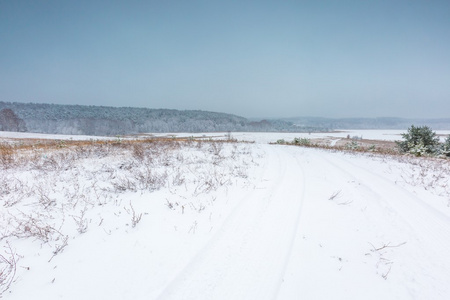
column 103, row 120
column 112, row 121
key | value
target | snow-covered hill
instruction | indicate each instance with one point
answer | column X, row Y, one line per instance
column 222, row 220
column 112, row 121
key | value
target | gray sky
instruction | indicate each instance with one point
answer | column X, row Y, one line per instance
column 250, row 58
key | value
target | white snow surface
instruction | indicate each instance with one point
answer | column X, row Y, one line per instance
column 272, row 137
column 44, row 136
column 237, row 221
column 258, row 137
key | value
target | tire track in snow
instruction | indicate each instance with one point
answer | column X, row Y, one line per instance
column 249, row 254
column 290, row 248
column 428, row 227
column 422, row 267
column 402, row 201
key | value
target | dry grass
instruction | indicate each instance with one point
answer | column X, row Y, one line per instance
column 352, row 145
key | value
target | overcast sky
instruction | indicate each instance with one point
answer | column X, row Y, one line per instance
column 250, row 58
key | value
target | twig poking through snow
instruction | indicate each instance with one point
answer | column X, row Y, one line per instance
column 135, row 218
column 386, row 246
column 60, row 248
column 334, row 195
column 383, row 260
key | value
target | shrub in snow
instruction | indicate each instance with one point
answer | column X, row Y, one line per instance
column 352, row 146
column 446, row 147
column 419, row 140
column 418, row 150
column 302, row 141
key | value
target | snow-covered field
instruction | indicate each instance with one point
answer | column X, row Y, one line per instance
column 220, row 220
column 5, row 135
column 272, row 137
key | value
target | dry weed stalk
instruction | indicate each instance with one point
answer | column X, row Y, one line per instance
column 135, row 218
column 8, row 268
column 334, row 195
column 60, row 247
column 383, row 261
column 29, row 226
column 81, row 221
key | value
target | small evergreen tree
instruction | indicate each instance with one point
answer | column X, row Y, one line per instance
column 446, row 147
column 419, row 141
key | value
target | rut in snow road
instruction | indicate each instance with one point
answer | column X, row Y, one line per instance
column 247, row 257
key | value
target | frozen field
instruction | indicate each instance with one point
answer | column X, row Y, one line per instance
column 272, row 137
column 6, row 135
column 258, row 137
column 220, row 220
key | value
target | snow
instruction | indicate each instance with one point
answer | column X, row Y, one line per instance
column 272, row 137
column 258, row 137
column 227, row 221
column 31, row 135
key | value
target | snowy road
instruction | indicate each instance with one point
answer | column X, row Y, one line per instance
column 287, row 239
column 247, row 258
